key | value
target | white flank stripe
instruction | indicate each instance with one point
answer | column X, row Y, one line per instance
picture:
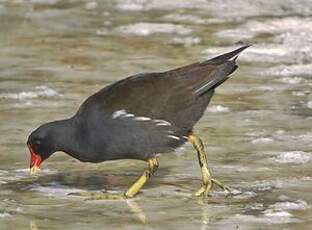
column 119, row 113
column 129, row 115
column 162, row 123
column 174, row 137
column 206, row 85
column 142, row 118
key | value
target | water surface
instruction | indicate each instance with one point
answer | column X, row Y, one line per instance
column 257, row 129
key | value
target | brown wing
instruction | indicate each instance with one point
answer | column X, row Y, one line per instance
column 179, row 96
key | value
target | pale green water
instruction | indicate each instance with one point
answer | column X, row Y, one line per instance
column 257, row 130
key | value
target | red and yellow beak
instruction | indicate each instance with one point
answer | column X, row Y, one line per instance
column 35, row 161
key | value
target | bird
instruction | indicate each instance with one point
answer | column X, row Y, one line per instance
column 139, row 117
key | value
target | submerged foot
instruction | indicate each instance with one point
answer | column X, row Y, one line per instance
column 99, row 195
column 206, row 188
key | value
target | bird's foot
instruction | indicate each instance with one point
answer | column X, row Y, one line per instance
column 206, row 188
column 99, row 195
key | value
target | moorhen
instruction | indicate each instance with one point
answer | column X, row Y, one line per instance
column 137, row 118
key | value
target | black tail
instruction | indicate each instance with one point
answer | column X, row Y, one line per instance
column 225, row 57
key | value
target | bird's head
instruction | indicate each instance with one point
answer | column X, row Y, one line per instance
column 41, row 144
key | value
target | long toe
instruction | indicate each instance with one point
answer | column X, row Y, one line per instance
column 99, row 196
column 221, row 185
column 107, row 196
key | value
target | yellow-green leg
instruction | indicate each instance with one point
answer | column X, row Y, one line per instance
column 207, row 179
column 133, row 189
column 139, row 183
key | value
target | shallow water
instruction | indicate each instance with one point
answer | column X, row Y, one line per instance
column 257, row 129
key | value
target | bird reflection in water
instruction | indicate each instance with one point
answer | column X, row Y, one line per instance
column 205, row 215
column 33, row 225
column 134, row 208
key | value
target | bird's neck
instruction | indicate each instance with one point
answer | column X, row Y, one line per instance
column 63, row 133
column 69, row 138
